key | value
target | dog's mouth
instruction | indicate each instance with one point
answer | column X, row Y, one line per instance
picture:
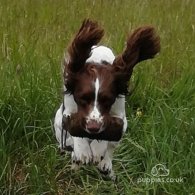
column 94, row 127
column 111, row 129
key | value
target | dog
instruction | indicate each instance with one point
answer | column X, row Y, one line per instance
column 92, row 119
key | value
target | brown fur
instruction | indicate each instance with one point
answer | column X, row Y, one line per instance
column 89, row 34
column 83, row 88
column 141, row 45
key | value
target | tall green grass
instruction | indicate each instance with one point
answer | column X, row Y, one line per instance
column 33, row 36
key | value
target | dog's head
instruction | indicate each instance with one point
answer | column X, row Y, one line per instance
column 94, row 85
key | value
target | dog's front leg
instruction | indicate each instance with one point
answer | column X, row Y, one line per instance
column 82, row 152
column 102, row 154
column 98, row 149
column 105, row 165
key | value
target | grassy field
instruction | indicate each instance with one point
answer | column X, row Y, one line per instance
column 161, row 111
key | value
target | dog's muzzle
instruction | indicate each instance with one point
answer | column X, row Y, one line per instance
column 93, row 126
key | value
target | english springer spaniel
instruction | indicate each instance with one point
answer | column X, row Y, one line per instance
column 92, row 119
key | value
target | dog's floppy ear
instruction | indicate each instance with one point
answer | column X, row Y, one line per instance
column 79, row 50
column 141, row 45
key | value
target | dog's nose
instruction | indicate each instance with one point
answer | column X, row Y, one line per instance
column 93, row 126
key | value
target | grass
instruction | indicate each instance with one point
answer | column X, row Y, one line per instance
column 161, row 111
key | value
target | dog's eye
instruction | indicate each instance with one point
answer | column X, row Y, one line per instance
column 86, row 99
column 106, row 100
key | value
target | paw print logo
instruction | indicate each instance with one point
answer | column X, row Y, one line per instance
column 159, row 170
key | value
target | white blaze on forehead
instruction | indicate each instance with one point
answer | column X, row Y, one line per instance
column 95, row 114
column 97, row 87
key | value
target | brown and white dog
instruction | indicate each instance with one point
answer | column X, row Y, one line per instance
column 95, row 84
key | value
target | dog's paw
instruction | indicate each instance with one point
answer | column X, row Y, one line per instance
column 75, row 166
column 82, row 156
column 98, row 149
column 105, row 166
column 82, row 152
